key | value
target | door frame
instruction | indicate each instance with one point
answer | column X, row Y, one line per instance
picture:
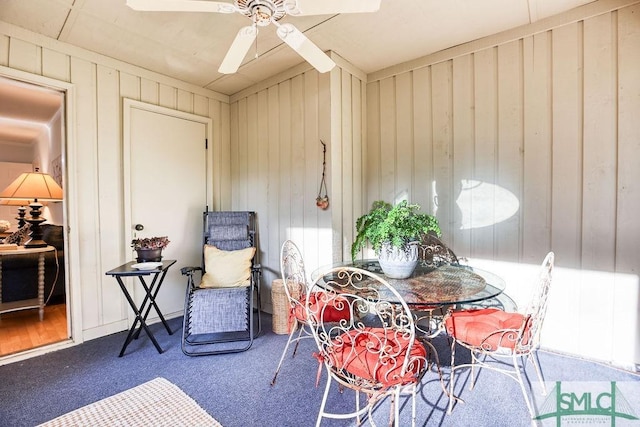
column 68, row 149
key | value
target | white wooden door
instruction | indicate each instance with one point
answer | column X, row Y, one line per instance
column 168, row 177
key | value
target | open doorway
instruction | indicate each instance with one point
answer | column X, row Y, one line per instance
column 32, row 138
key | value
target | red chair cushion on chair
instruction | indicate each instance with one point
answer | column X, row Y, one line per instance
column 478, row 327
column 359, row 353
column 334, row 310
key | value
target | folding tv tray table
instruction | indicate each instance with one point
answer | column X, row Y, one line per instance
column 151, row 291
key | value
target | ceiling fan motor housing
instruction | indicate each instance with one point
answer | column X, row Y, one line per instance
column 262, row 12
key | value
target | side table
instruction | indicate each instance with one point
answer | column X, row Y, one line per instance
column 26, row 304
column 151, row 291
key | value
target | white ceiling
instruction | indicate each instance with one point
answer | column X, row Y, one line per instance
column 26, row 112
column 190, row 46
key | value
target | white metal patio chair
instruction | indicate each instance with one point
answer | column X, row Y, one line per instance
column 295, row 286
column 374, row 351
column 499, row 340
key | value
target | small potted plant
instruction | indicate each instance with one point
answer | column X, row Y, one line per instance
column 393, row 232
column 149, row 248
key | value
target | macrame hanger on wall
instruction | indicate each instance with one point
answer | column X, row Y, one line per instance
column 322, row 201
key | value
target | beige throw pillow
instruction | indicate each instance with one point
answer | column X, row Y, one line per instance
column 226, row 269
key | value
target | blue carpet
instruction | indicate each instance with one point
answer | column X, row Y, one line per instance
column 235, row 388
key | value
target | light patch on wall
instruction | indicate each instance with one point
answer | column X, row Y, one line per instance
column 483, row 204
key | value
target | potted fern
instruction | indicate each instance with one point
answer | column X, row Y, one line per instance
column 393, row 232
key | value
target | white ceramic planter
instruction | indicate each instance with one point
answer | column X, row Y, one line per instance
column 397, row 263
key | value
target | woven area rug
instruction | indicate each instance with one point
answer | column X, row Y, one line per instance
column 155, row 403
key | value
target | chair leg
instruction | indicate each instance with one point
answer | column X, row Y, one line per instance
column 294, row 328
column 452, row 377
column 536, row 365
column 413, row 405
column 516, row 367
column 358, row 420
column 324, row 401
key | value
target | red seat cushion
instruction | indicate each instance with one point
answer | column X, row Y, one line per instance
column 334, row 308
column 378, row 355
column 478, row 327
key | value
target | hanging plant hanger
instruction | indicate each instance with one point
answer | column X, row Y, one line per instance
column 322, row 201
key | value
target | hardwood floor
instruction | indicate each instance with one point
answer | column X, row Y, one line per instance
column 22, row 330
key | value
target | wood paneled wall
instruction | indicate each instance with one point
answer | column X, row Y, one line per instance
column 546, row 124
column 94, row 159
column 277, row 160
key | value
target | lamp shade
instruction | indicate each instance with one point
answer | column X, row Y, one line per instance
column 15, row 202
column 33, row 186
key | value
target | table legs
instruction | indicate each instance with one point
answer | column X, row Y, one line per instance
column 145, row 307
column 41, row 286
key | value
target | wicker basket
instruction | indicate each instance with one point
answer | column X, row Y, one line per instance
column 281, row 307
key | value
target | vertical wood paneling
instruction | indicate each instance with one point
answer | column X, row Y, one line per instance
column 201, row 105
column 346, row 213
column 149, row 91
column 442, row 111
column 567, row 177
column 373, row 173
column 222, row 162
column 357, row 193
column 261, row 194
column 25, row 56
column 600, row 151
column 312, row 246
column 552, row 121
column 335, row 156
column 276, row 165
column 249, row 149
column 240, row 138
column 129, row 86
column 83, row 76
column 537, row 147
column 387, row 141
column 487, row 205
column 404, row 138
column 167, row 96
column 285, row 177
column 55, row 65
column 325, row 218
column 628, row 197
column 626, row 318
column 110, row 186
column 458, row 212
column 4, row 50
column 510, row 147
column 600, row 162
column 295, row 114
column 567, row 147
column 297, row 198
column 422, row 139
column 184, row 101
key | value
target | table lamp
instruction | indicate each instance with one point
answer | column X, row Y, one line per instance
column 36, row 186
column 21, row 209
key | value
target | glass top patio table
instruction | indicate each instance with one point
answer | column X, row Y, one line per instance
column 444, row 285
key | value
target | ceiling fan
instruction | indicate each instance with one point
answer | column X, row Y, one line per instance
column 263, row 13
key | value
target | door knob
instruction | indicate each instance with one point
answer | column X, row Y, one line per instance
column 139, row 227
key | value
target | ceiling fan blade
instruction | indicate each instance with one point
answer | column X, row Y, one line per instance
column 238, row 50
column 330, row 7
column 181, row 6
column 305, row 47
